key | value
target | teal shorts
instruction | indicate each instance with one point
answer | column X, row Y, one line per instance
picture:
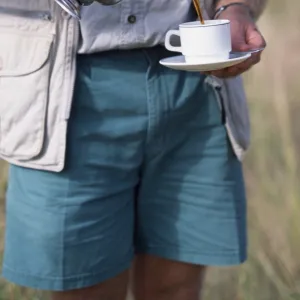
column 149, row 170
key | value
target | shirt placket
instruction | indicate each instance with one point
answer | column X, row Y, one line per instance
column 132, row 21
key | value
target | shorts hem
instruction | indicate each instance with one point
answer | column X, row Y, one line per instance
column 217, row 260
column 61, row 284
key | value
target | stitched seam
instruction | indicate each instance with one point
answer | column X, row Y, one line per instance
column 60, row 278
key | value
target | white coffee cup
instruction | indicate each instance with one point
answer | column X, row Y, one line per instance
column 202, row 42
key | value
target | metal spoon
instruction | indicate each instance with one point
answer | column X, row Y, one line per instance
column 248, row 52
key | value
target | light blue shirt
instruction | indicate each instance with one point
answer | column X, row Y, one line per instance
column 131, row 23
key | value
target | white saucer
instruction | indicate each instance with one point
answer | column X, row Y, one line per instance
column 179, row 63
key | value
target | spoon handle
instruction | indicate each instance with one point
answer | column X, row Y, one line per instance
column 198, row 10
column 249, row 52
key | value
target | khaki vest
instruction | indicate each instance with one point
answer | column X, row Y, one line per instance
column 38, row 48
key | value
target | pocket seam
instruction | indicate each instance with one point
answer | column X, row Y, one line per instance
column 217, row 88
column 47, row 48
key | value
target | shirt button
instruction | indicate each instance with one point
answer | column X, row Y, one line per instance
column 131, row 19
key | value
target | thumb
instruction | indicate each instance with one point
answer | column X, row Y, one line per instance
column 239, row 34
column 254, row 38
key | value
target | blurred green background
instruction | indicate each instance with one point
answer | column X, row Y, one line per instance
column 272, row 173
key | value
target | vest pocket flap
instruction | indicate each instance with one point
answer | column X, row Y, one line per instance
column 22, row 54
column 25, row 68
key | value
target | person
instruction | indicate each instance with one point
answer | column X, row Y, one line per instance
column 120, row 167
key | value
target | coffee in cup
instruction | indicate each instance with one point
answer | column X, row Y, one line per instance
column 208, row 42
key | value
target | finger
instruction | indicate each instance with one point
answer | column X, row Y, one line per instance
column 220, row 73
column 238, row 69
column 254, row 38
column 227, row 73
column 251, row 61
column 233, row 71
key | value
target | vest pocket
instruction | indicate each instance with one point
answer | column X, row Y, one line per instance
column 24, row 91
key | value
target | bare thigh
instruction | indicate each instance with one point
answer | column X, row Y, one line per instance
column 156, row 278
column 113, row 289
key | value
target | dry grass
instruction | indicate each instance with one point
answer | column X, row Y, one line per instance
column 272, row 169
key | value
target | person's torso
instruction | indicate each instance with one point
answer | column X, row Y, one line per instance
column 38, row 58
column 131, row 23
